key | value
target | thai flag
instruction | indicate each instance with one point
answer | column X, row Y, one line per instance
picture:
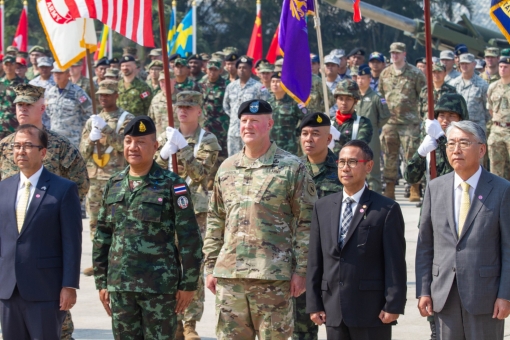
column 357, row 11
column 180, row 189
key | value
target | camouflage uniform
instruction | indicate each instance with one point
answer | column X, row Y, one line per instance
column 235, row 95
column 8, row 121
column 134, row 253
column 154, row 89
column 423, row 109
column 159, row 113
column 257, row 236
column 30, row 74
column 316, row 103
column 499, row 139
column 287, row 116
column 198, row 77
column 68, row 111
column 84, row 84
column 451, row 76
column 187, row 85
column 475, row 93
column 134, row 97
column 365, row 131
column 37, row 81
column 489, row 78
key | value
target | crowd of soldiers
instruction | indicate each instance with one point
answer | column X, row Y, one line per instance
column 381, row 101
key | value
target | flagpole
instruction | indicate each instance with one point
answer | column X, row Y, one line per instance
column 321, row 56
column 174, row 10
column 194, row 23
column 2, row 25
column 168, row 90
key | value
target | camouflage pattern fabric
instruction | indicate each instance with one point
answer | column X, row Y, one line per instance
column 198, row 77
column 159, row 113
column 94, row 197
column 445, row 88
column 287, row 117
column 489, row 78
column 304, row 328
column 8, row 121
column 451, row 76
column 154, row 89
column 247, row 308
column 187, row 85
column 84, row 84
column 68, row 111
column 417, row 165
column 267, row 199
column 134, row 97
column 365, row 131
column 316, row 103
column 475, row 94
column 30, row 74
column 37, row 81
column 143, row 315
column 62, row 159
column 134, row 247
column 67, row 327
column 499, row 142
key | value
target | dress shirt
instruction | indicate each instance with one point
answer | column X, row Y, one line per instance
column 33, row 181
column 356, row 197
column 457, row 193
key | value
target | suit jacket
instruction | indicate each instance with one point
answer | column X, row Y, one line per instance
column 368, row 274
column 45, row 256
column 479, row 258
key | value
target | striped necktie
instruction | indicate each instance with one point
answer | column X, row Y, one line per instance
column 21, row 209
column 465, row 203
column 346, row 221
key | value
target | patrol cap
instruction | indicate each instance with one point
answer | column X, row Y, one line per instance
column 505, row 52
column 356, row 51
column 22, row 54
column 78, row 63
column 108, row 86
column 114, row 60
column 331, row 59
column 448, row 55
column 244, row 60
column 315, row 120
column 397, row 47
column 260, row 61
column 218, row 55
column 127, row 58
column 44, row 61
column 12, row 49
column 376, row 56
column 111, row 72
column 27, row 93
column 195, row 57
column 254, row 107
column 140, row 126
column 277, row 75
column 266, row 67
column 452, row 102
column 9, row 59
column 491, row 52
column 214, row 64
column 102, row 62
column 314, row 58
column 438, row 67
column 57, row 69
column 174, row 56
column 129, row 51
column 37, row 48
column 230, row 49
column 422, row 60
column 21, row 61
column 466, row 58
column 181, row 61
column 205, row 56
column 162, row 75
column 189, row 98
column 155, row 52
column 460, row 49
column 155, row 63
column 504, row 60
column 338, row 52
column 364, row 70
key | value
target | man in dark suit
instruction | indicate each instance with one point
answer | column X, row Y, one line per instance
column 463, row 250
column 40, row 243
column 356, row 276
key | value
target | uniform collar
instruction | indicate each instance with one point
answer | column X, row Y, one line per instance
column 156, row 172
column 266, row 159
column 196, row 135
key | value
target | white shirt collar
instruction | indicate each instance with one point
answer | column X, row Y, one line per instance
column 472, row 181
column 33, row 179
column 356, row 197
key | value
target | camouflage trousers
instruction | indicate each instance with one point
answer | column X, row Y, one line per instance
column 139, row 316
column 374, row 177
column 67, row 328
column 304, row 328
column 234, row 144
column 94, row 203
column 499, row 151
column 195, row 309
column 394, row 136
column 246, row 308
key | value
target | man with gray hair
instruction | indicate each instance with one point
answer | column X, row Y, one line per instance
column 467, row 290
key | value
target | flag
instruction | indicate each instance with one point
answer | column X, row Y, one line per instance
column 255, row 47
column 21, row 37
column 274, row 49
column 296, row 77
column 500, row 14
column 1, row 27
column 103, row 44
column 68, row 38
column 130, row 18
column 183, row 37
column 172, row 29
column 357, row 12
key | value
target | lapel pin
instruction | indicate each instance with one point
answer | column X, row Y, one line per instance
column 364, row 206
column 480, row 197
column 43, row 188
column 37, row 195
column 362, row 210
column 160, row 199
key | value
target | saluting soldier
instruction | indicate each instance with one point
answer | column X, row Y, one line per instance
column 144, row 279
column 134, row 94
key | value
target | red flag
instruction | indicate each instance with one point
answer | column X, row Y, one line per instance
column 357, row 11
column 21, row 37
column 1, row 28
column 255, row 47
column 274, row 49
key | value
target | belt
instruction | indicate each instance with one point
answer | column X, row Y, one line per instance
column 501, row 124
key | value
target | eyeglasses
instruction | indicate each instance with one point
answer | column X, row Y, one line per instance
column 26, row 146
column 464, row 144
column 352, row 163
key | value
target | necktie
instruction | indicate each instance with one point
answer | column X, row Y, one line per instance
column 346, row 221
column 465, row 203
column 21, row 209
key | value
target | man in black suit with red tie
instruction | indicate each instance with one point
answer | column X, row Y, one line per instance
column 356, row 276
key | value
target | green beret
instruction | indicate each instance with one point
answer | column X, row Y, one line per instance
column 140, row 126
column 314, row 120
column 255, row 107
column 9, row 59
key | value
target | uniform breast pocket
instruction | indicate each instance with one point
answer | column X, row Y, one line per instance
column 151, row 208
column 267, row 197
column 113, row 202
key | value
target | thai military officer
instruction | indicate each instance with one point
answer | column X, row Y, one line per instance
column 182, row 79
column 102, row 148
column 261, row 193
column 374, row 107
column 491, row 72
column 155, row 68
column 144, row 283
column 134, row 94
column 197, row 152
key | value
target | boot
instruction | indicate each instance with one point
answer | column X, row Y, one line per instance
column 88, row 271
column 414, row 193
column 189, row 331
column 179, row 334
column 407, row 191
column 390, row 190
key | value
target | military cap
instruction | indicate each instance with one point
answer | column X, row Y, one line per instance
column 331, row 59
column 438, row 67
column 315, row 120
column 460, row 49
column 447, row 55
column 22, row 54
column 155, row 52
column 231, row 57
column 397, row 47
column 102, row 62
column 218, row 56
column 107, row 86
column 174, row 56
column 57, row 69
column 422, row 60
column 266, row 67
column 127, row 58
column 181, row 61
column 9, row 58
column 189, row 98
column 254, row 107
column 205, row 56
column 356, row 51
column 114, row 60
column 491, row 52
column 505, row 52
column 257, row 64
column 129, row 51
column 37, row 48
column 364, row 70
column 228, row 50
column 504, row 60
column 162, row 75
column 214, row 64
column 277, row 75
column 354, row 70
column 155, row 63
column 21, row 61
column 466, row 58
column 140, row 126
column 314, row 58
column 452, row 102
column 12, row 49
column 111, row 72
column 78, row 63
column 278, row 65
column 44, row 61
column 347, row 87
column 244, row 60
column 27, row 93
column 195, row 57
column 376, row 56
column 338, row 52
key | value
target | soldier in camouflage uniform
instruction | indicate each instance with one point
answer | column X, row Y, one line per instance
column 316, row 103
column 134, row 94
column 8, row 122
column 143, row 278
column 195, row 65
column 374, row 107
column 112, row 74
column 241, row 90
column 155, row 68
column 439, row 88
column 67, row 106
column 158, row 110
column 491, row 72
column 102, row 146
column 265, row 71
column 286, row 115
column 35, row 53
column 258, row 226
column 77, row 79
column 230, row 67
column 197, row 152
column 400, row 84
column 62, row 158
column 182, row 79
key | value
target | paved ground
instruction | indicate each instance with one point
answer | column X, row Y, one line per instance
column 91, row 321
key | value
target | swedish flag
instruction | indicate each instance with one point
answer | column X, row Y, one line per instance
column 500, row 14
column 172, row 28
column 182, row 42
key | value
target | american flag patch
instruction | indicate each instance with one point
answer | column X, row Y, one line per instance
column 180, row 189
column 383, row 101
column 82, row 99
column 144, row 95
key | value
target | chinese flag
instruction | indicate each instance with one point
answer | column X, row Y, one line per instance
column 357, row 12
column 21, row 37
column 274, row 49
column 255, row 47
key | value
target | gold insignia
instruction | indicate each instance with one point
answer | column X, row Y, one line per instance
column 279, row 74
column 142, row 127
column 234, row 57
column 319, row 119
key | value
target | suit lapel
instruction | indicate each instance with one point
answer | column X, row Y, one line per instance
column 39, row 192
column 11, row 193
column 449, row 198
column 335, row 218
column 364, row 203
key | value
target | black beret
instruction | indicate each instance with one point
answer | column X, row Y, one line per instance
column 195, row 57
column 244, row 60
column 356, row 51
column 114, row 60
column 231, row 57
column 140, row 126
column 364, row 70
column 504, row 60
column 422, row 60
column 102, row 62
column 254, row 107
column 174, row 56
column 277, row 75
column 127, row 58
column 314, row 120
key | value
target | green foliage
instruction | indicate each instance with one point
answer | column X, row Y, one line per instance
column 12, row 13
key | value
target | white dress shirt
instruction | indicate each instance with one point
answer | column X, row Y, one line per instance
column 33, row 181
column 356, row 198
column 457, row 192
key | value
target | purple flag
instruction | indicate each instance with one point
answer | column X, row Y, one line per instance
column 296, row 77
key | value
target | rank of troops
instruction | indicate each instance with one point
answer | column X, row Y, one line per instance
column 251, row 164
